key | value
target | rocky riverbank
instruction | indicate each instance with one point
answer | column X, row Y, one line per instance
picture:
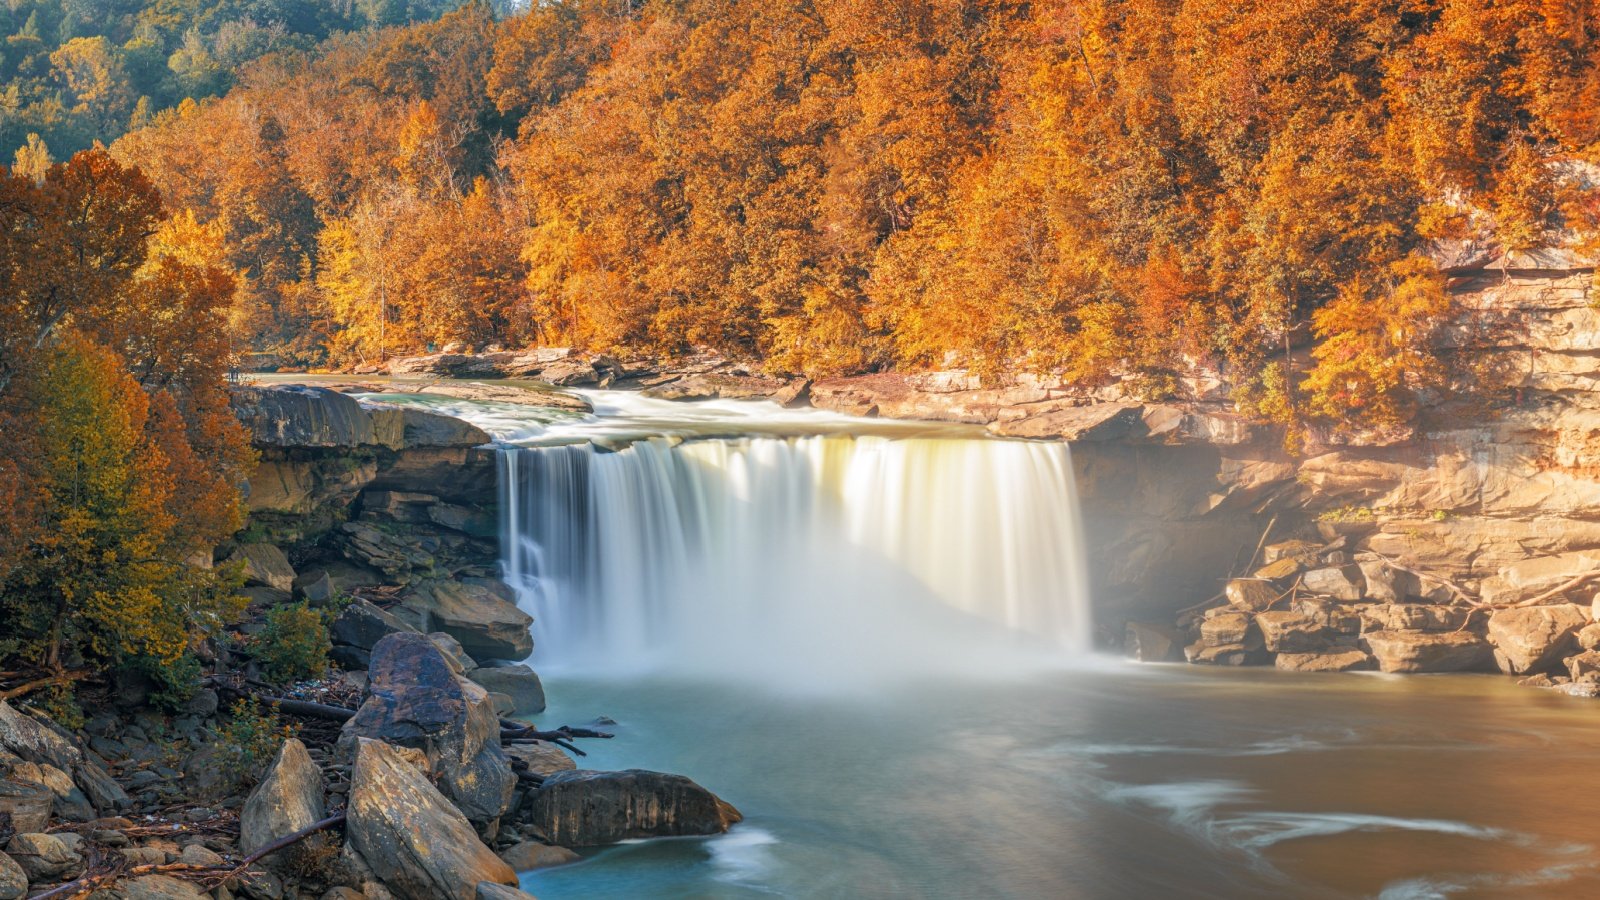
column 402, row 772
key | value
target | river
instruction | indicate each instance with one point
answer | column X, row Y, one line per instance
column 871, row 637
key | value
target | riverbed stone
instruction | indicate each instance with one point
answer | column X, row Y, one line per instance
column 1410, row 651
column 1203, row 654
column 1584, row 665
column 414, row 840
column 1340, row 582
column 530, row 855
column 13, row 880
column 45, row 857
column 586, row 808
column 1250, row 595
column 28, row 803
column 1348, row 659
column 1534, row 638
column 288, row 799
column 159, row 887
column 541, row 757
column 36, row 742
column 519, row 682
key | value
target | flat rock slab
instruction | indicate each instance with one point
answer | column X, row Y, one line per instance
column 1408, row 651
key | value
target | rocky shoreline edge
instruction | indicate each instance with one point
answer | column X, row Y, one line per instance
column 410, row 771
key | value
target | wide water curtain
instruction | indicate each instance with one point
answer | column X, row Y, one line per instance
column 776, row 547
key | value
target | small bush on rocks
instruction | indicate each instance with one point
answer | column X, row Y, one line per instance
column 294, row 645
column 248, row 742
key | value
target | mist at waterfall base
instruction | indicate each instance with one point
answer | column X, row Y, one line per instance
column 870, row 637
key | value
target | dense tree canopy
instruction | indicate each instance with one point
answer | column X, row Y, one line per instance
column 1100, row 188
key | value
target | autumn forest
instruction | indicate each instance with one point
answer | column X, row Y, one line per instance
column 1092, row 189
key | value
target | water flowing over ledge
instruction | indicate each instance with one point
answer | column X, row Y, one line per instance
column 817, row 556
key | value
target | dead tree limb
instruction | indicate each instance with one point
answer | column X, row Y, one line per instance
column 29, row 687
column 307, row 709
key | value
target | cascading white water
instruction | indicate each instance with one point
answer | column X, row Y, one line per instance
column 836, row 553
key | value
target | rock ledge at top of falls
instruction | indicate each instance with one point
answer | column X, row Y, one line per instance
column 312, row 417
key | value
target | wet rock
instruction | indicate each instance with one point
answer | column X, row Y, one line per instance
column 583, row 808
column 1250, row 595
column 727, row 387
column 13, row 880
column 288, row 799
column 264, row 564
column 412, row 838
column 1291, row 632
column 1535, row 638
column 518, row 682
column 1339, row 582
column 1408, row 651
column 541, row 757
column 1334, row 660
column 570, row 373
column 160, row 887
column 359, row 628
column 530, row 855
column 1096, row 422
column 44, row 857
column 483, row 616
column 416, row 700
column 1202, row 654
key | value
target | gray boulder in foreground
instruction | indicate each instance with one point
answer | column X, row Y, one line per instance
column 418, row 844
column 287, row 800
column 584, row 808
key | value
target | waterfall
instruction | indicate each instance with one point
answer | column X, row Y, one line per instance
column 794, row 553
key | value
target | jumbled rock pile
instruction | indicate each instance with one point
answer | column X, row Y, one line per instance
column 1314, row 607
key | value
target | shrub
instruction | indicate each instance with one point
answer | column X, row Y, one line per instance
column 248, row 742
column 294, row 644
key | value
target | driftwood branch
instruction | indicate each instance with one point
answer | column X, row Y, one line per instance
column 41, row 683
column 1573, row 582
column 203, row 873
column 307, row 709
column 1261, row 543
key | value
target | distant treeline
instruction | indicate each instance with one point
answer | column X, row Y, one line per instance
column 1107, row 187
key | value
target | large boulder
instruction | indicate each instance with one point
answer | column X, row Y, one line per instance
column 481, row 614
column 35, row 742
column 518, row 682
column 416, row 700
column 1535, row 638
column 287, row 800
column 264, row 564
column 1410, row 651
column 411, row 837
column 540, row 758
column 430, row 429
column 530, row 855
column 1223, row 627
column 584, row 808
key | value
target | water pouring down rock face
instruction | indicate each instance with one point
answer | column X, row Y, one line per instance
column 807, row 559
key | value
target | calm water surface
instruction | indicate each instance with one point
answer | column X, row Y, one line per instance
column 1122, row 781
